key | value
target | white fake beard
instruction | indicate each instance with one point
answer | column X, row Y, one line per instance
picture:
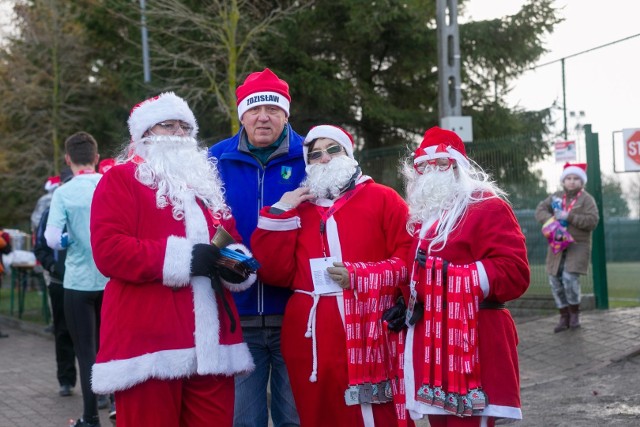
column 431, row 192
column 179, row 170
column 327, row 180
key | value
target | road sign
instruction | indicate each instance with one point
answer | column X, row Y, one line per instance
column 565, row 151
column 631, row 138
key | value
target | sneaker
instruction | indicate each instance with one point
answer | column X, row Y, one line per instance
column 83, row 423
column 112, row 412
column 103, row 401
column 65, row 390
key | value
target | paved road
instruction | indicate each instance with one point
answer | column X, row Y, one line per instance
column 568, row 379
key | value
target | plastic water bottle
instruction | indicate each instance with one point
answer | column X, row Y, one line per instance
column 556, row 205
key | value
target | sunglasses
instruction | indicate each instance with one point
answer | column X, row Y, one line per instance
column 331, row 151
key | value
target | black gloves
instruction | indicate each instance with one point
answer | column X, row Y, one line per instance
column 395, row 315
column 203, row 260
column 231, row 276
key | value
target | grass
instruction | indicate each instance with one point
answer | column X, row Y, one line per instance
column 622, row 283
column 34, row 301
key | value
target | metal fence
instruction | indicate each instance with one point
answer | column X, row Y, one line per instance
column 621, row 234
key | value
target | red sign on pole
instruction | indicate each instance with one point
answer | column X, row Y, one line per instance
column 633, row 147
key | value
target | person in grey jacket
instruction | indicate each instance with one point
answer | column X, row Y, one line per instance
column 576, row 210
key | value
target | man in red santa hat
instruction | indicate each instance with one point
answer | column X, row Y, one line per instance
column 468, row 258
column 170, row 341
column 341, row 243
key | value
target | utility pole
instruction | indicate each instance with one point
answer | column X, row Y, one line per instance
column 145, row 43
column 449, row 92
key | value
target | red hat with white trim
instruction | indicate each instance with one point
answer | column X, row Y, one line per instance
column 440, row 143
column 263, row 88
column 578, row 169
column 335, row 133
column 52, row 183
column 166, row 106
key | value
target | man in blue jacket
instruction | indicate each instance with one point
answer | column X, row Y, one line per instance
column 258, row 164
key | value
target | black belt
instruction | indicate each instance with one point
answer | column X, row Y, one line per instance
column 267, row 321
column 492, row 305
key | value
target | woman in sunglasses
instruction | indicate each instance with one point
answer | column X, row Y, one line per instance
column 340, row 242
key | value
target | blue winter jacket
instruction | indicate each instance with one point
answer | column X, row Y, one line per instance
column 248, row 187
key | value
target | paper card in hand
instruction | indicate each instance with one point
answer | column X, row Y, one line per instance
column 557, row 236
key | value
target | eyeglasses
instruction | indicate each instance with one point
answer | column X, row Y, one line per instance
column 331, row 151
column 443, row 164
column 173, row 127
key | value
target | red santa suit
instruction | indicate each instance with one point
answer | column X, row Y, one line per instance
column 369, row 227
column 488, row 236
column 157, row 321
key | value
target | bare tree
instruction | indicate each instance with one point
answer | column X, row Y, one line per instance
column 45, row 71
column 201, row 49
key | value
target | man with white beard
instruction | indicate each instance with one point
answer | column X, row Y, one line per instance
column 170, row 341
column 339, row 242
column 467, row 259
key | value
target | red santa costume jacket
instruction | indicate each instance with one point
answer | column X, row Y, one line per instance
column 157, row 321
column 370, row 227
column 489, row 236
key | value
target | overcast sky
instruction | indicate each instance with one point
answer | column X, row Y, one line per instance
column 604, row 83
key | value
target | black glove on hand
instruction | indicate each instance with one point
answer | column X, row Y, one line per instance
column 395, row 315
column 421, row 257
column 231, row 276
column 203, row 260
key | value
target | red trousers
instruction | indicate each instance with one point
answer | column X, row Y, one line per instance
column 197, row 401
column 453, row 421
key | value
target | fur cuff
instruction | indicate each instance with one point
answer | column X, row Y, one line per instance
column 176, row 270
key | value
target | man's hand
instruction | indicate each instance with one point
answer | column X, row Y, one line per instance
column 203, row 260
column 340, row 275
column 395, row 315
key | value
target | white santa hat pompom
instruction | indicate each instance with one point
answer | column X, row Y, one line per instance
column 578, row 169
column 166, row 106
column 336, row 133
column 52, row 183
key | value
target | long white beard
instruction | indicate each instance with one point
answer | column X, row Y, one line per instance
column 328, row 180
column 179, row 170
column 445, row 196
column 435, row 194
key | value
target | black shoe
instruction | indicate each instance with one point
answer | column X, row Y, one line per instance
column 103, row 401
column 83, row 423
column 65, row 390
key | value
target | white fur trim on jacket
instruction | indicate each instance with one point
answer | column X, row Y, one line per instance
column 122, row 374
column 273, row 224
column 176, row 270
column 246, row 284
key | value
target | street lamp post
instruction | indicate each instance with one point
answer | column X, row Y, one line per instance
column 145, row 43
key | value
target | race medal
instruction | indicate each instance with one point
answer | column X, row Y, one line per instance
column 366, row 391
column 438, row 397
column 479, row 400
column 375, row 398
column 467, row 408
column 388, row 390
column 451, row 403
column 351, row 395
column 425, row 394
